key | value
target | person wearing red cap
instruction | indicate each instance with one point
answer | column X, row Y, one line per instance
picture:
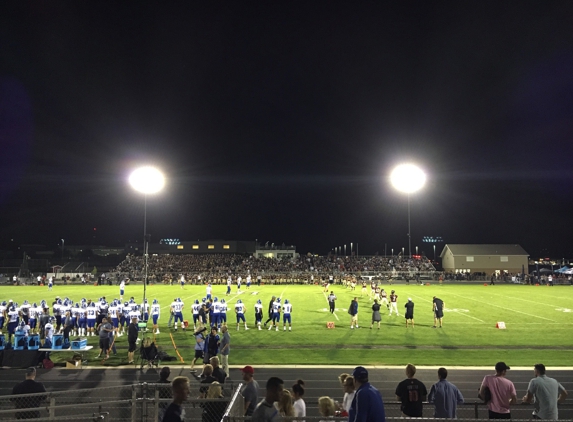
column 249, row 390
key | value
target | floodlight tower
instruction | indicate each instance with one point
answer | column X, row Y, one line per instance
column 147, row 180
column 408, row 179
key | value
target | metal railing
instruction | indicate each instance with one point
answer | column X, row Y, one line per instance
column 145, row 402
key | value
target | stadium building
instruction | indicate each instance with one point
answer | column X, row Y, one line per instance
column 488, row 259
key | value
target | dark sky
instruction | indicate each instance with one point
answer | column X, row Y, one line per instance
column 280, row 121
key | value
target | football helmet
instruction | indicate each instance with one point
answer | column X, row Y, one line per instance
column 286, row 300
column 196, row 302
column 392, row 291
column 259, row 301
column 239, row 301
column 155, row 302
column 216, row 299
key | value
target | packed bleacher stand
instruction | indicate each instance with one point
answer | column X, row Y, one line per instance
column 216, row 268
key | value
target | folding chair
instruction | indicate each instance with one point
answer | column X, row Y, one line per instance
column 149, row 354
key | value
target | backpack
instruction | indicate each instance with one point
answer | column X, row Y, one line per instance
column 47, row 363
column 486, row 395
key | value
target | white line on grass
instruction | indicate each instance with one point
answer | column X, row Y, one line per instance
column 334, row 313
column 458, row 312
column 502, row 307
column 531, row 301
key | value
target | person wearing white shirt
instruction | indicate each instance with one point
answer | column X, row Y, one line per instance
column 177, row 308
column 299, row 404
column 121, row 289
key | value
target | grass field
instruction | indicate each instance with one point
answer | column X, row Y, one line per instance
column 539, row 320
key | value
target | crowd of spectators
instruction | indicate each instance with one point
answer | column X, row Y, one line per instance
column 216, row 268
column 361, row 401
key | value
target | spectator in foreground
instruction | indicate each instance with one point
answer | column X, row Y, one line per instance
column 29, row 386
column 284, row 404
column 348, row 387
column 412, row 394
column 249, row 390
column 547, row 393
column 299, row 404
column 225, row 348
column 218, row 373
column 265, row 410
column 502, row 393
column 445, row 397
column 164, row 391
column 367, row 405
column 214, row 410
column 326, row 407
column 175, row 412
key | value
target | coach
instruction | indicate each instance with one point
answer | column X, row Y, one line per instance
column 270, row 310
column 132, row 333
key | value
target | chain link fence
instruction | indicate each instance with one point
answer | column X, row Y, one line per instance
column 147, row 403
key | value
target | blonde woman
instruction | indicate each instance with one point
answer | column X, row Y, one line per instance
column 214, row 409
column 284, row 405
column 348, row 387
column 326, row 408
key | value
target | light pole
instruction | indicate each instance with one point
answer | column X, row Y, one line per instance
column 408, row 178
column 344, row 250
column 62, row 249
column 146, row 180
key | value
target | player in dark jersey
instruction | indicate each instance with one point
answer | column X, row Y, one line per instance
column 438, row 311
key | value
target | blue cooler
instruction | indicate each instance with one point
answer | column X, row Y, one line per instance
column 79, row 344
column 2, row 341
column 33, row 342
column 20, row 342
column 57, row 341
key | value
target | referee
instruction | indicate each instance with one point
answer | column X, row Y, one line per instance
column 270, row 310
column 331, row 301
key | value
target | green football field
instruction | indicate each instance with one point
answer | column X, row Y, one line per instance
column 538, row 321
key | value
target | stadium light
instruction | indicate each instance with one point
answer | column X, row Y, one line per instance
column 408, row 179
column 147, row 180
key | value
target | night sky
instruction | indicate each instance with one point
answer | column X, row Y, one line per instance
column 280, row 121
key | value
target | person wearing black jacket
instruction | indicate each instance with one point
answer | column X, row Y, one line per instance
column 29, row 386
column 132, row 333
column 270, row 310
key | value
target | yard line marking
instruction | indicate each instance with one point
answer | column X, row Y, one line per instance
column 334, row 313
column 501, row 307
column 458, row 312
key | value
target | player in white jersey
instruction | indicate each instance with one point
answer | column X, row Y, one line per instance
column 248, row 282
column 3, row 308
column 216, row 307
column 124, row 319
column 229, row 282
column 287, row 309
column 33, row 314
column 384, row 299
column 145, row 310
column 223, row 314
column 114, row 315
column 121, row 289
column 182, row 281
column 91, row 311
column 155, row 311
column 50, row 283
column 239, row 279
column 240, row 310
column 276, row 316
column 49, row 333
column 196, row 320
column 208, row 291
column 258, row 313
column 177, row 309
column 134, row 313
